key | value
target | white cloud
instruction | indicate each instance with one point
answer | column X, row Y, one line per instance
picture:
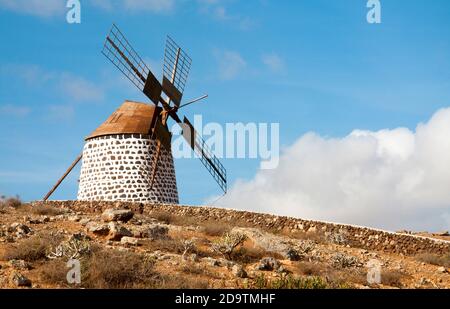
column 105, row 5
column 217, row 9
column 40, row 8
column 60, row 112
column 149, row 5
column 80, row 89
column 71, row 86
column 274, row 62
column 14, row 110
column 231, row 64
column 390, row 179
column 31, row 74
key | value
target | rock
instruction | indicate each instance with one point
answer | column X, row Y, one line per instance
column 238, row 271
column 312, row 230
column 80, row 236
column 292, row 255
column 37, row 220
column 156, row 231
column 213, row 262
column 123, row 215
column 20, row 264
column 442, row 270
column 443, row 233
column 116, row 231
column 126, row 240
column 19, row 228
column 194, row 257
column 97, row 228
column 85, row 221
column 264, row 240
column 20, row 280
column 281, row 269
column 74, row 218
column 268, row 263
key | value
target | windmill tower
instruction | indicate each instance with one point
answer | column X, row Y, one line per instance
column 129, row 157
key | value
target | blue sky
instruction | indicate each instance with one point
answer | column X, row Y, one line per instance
column 311, row 65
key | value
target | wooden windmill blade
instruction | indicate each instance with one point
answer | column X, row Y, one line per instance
column 175, row 72
column 176, row 67
column 120, row 52
column 209, row 160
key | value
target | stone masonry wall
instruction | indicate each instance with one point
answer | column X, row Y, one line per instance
column 362, row 237
column 119, row 168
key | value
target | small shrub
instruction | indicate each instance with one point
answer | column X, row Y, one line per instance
column 290, row 282
column 305, row 247
column 46, row 210
column 165, row 245
column 188, row 246
column 339, row 238
column 12, row 202
column 341, row 260
column 228, row 243
column 246, row 255
column 76, row 247
column 54, row 272
column 31, row 249
column 216, row 229
column 181, row 282
column 193, row 269
column 434, row 259
column 311, row 269
column 117, row 270
column 164, row 217
column 392, row 278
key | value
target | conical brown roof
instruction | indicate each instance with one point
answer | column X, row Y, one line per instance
column 130, row 118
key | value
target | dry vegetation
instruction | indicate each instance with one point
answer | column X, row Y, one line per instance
column 434, row 259
column 45, row 210
column 32, row 249
column 193, row 254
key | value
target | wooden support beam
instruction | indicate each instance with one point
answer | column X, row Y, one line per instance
column 63, row 177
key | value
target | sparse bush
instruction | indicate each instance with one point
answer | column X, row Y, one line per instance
column 339, row 238
column 290, row 282
column 166, row 245
column 117, row 270
column 246, row 255
column 193, row 269
column 341, row 260
column 54, row 272
column 228, row 243
column 46, row 210
column 12, row 202
column 164, row 217
column 77, row 246
column 305, row 247
column 216, row 229
column 392, row 278
column 188, row 245
column 31, row 249
column 434, row 259
column 311, row 269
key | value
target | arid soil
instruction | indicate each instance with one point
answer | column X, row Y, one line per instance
column 120, row 247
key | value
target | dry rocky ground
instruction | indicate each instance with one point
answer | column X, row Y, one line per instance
column 119, row 247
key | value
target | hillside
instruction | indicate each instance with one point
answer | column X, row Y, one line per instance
column 126, row 245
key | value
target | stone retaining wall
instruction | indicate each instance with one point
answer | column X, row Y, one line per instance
column 362, row 237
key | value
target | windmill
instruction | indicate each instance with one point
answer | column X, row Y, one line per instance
column 129, row 156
